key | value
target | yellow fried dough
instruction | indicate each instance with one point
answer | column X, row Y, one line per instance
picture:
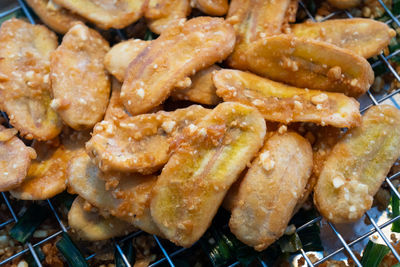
column 140, row 143
column 357, row 165
column 208, row 159
column 57, row 18
column 212, row 7
column 271, row 189
column 15, row 159
column 125, row 196
column 310, row 64
column 253, row 20
column 81, row 86
column 106, row 14
column 24, row 79
column 282, row 103
column 365, row 37
column 166, row 64
column 47, row 174
column 343, row 4
column 115, row 109
column 162, row 14
column 90, row 226
column 201, row 90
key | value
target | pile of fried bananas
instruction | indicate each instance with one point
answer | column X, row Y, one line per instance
column 247, row 110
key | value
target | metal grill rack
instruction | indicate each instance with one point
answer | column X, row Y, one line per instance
column 169, row 256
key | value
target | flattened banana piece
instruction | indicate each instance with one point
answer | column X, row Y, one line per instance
column 365, row 37
column 166, row 64
column 24, row 79
column 343, row 4
column 91, row 226
column 162, row 14
column 270, row 190
column 357, row 166
column 81, row 86
column 140, row 143
column 282, row 103
column 57, row 18
column 310, row 64
column 212, row 7
column 106, row 14
column 207, row 161
column 15, row 159
column 124, row 195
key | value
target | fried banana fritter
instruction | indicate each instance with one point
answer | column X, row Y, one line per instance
column 15, row 159
column 80, row 83
column 207, row 160
column 357, row 165
column 271, row 189
column 162, row 14
column 212, row 7
column 178, row 53
column 47, row 174
column 310, row 64
column 365, row 37
column 24, row 79
column 123, row 195
column 141, row 143
column 57, row 18
column 91, row 226
column 201, row 89
column 106, row 14
column 343, row 4
column 282, row 103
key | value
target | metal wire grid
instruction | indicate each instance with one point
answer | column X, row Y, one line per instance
column 168, row 257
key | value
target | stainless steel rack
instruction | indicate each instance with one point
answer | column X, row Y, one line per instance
column 168, row 257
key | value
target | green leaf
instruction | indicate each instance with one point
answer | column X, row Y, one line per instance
column 149, row 35
column 395, row 212
column 373, row 254
column 70, row 252
column 290, row 243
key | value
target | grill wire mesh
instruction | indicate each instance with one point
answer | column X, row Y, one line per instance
column 168, row 257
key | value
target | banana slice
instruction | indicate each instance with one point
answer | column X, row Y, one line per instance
column 212, row 7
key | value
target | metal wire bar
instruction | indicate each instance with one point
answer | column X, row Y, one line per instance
column 8, row 12
column 164, row 251
column 127, row 263
column 306, row 258
column 56, row 215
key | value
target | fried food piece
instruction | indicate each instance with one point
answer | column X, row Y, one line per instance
column 116, row 109
column 91, row 226
column 171, row 58
column 212, row 7
column 271, row 189
column 253, row 20
column 47, row 174
column 15, row 159
column 106, row 14
column 24, row 79
column 290, row 16
column 162, row 14
column 310, row 64
column 124, row 195
column 365, row 37
column 344, row 4
column 282, row 103
column 207, row 161
column 54, row 16
column 140, row 143
column 81, row 86
column 201, row 90
column 357, row 166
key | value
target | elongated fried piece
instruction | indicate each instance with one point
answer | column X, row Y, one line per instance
column 47, row 174
column 24, row 79
column 343, row 4
column 81, row 86
column 91, row 226
column 106, row 14
column 310, row 64
column 166, row 64
column 57, row 18
column 207, row 161
column 271, row 189
column 140, row 143
column 212, row 7
column 253, row 20
column 15, row 159
column 124, row 195
column 365, row 37
column 115, row 109
column 282, row 103
column 161, row 14
column 357, row 166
